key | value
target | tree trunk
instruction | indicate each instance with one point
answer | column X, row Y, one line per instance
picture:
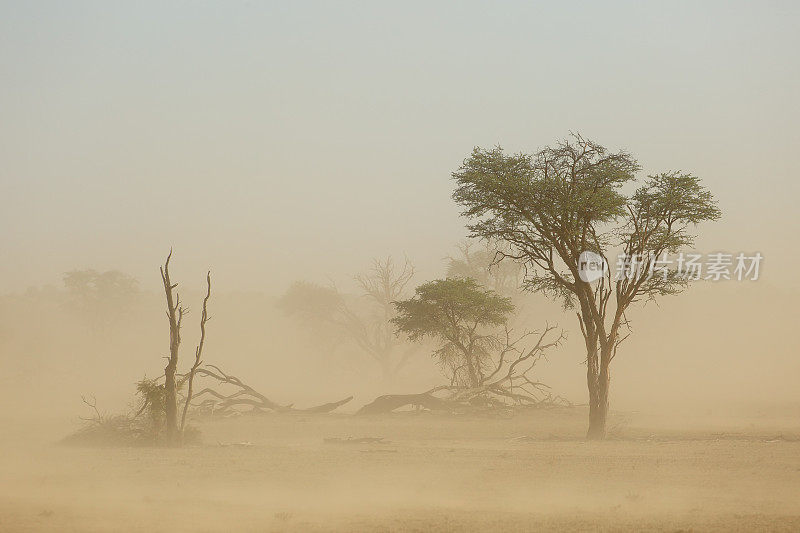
column 170, row 405
column 473, row 372
column 598, row 404
column 170, row 386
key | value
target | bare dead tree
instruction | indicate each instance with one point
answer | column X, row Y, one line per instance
column 204, row 318
column 383, row 284
column 175, row 314
column 326, row 310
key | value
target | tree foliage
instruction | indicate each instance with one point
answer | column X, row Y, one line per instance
column 463, row 317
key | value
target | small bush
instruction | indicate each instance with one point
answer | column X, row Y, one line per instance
column 145, row 427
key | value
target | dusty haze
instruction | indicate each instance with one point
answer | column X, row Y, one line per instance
column 277, row 142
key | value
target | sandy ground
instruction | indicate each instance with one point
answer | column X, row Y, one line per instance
column 431, row 473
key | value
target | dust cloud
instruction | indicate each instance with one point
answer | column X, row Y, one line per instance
column 301, row 151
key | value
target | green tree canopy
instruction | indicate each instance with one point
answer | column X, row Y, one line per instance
column 461, row 315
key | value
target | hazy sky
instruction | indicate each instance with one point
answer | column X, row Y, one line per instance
column 274, row 141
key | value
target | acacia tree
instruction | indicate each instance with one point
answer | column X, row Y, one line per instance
column 464, row 317
column 485, row 364
column 551, row 206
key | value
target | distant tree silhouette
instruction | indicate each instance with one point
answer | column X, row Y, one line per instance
column 325, row 310
column 102, row 298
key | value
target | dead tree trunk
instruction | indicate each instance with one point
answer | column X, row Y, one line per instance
column 197, row 354
column 175, row 316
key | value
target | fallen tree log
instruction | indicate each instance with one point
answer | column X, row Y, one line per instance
column 507, row 385
column 461, row 400
column 326, row 407
column 221, row 404
column 390, row 402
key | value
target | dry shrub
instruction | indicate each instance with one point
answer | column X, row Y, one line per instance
column 144, row 426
